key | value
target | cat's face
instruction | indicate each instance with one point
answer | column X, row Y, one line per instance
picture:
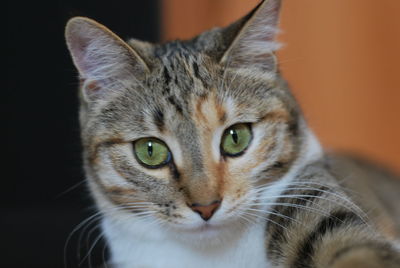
column 192, row 157
column 186, row 137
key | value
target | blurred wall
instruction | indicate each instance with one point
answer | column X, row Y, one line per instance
column 44, row 195
column 341, row 58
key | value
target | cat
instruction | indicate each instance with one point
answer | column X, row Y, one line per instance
column 197, row 155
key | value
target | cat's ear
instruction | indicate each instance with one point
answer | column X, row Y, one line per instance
column 104, row 61
column 253, row 42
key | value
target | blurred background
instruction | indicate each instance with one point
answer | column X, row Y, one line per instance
column 340, row 56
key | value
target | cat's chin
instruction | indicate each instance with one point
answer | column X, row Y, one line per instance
column 204, row 229
column 207, row 234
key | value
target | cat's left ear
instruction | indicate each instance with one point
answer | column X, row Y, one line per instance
column 254, row 43
column 104, row 61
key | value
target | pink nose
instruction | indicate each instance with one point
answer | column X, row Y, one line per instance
column 206, row 211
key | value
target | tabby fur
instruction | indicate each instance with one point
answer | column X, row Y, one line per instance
column 285, row 203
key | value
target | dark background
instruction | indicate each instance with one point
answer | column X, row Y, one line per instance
column 43, row 194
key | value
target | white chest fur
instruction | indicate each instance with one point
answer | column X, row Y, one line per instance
column 148, row 250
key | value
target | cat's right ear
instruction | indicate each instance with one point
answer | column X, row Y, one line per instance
column 250, row 42
column 104, row 61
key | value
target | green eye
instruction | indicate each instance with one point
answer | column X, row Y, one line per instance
column 236, row 139
column 151, row 152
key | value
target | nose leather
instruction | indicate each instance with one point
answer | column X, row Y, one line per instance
column 206, row 211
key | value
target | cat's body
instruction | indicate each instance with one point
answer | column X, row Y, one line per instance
column 197, row 155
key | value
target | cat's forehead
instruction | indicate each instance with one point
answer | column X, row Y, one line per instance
column 183, row 69
column 184, row 80
column 180, row 66
column 179, row 74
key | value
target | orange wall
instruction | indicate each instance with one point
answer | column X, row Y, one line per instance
column 341, row 57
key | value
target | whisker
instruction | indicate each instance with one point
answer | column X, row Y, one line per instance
column 330, row 186
column 82, row 234
column 352, row 206
column 264, row 218
column 88, row 222
column 247, row 222
column 73, row 187
column 296, row 206
column 274, row 213
column 87, row 256
column 89, row 234
column 79, row 226
column 103, row 255
column 317, row 197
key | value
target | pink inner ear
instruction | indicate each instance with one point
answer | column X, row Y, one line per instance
column 78, row 44
column 99, row 54
column 92, row 86
column 254, row 44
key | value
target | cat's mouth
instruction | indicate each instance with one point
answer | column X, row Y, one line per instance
column 205, row 230
column 209, row 233
column 206, row 227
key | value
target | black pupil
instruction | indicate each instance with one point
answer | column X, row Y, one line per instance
column 234, row 135
column 150, row 148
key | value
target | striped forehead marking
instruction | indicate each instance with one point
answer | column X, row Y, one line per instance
column 208, row 110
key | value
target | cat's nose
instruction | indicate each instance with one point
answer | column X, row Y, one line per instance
column 206, row 211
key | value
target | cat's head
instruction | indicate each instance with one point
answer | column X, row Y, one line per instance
column 187, row 133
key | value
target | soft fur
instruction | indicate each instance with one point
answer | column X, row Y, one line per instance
column 284, row 202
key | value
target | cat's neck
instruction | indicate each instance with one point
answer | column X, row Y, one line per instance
column 154, row 248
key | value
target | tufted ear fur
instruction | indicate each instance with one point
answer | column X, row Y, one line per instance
column 104, row 61
column 253, row 44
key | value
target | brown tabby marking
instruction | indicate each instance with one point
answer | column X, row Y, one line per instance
column 293, row 205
